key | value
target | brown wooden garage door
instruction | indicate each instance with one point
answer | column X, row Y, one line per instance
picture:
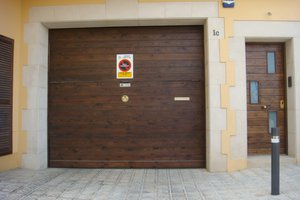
column 89, row 125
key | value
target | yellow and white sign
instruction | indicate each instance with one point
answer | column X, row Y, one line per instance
column 124, row 66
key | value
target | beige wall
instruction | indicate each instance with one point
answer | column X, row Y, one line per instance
column 14, row 13
column 11, row 26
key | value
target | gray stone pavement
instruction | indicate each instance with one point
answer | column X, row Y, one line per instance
column 147, row 184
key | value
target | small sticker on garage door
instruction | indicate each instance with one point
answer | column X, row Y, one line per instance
column 124, row 66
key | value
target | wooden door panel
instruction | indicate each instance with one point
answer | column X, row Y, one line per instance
column 89, row 125
column 271, row 92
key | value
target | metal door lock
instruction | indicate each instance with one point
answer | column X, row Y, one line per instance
column 125, row 98
column 281, row 104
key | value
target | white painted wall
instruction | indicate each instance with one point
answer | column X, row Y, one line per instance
column 215, row 77
column 238, row 98
column 35, row 78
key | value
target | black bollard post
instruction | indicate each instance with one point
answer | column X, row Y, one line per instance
column 275, row 161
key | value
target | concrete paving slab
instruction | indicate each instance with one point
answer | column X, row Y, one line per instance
column 148, row 184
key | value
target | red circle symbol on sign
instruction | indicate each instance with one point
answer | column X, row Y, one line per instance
column 124, row 65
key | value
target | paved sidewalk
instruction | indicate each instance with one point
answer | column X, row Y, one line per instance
column 147, row 184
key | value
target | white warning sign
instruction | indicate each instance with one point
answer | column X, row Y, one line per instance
column 124, row 66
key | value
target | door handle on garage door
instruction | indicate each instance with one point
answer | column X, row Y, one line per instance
column 182, row 98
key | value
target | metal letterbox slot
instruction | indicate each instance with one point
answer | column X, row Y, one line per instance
column 182, row 98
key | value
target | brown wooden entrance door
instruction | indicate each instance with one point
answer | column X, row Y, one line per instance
column 266, row 95
column 88, row 123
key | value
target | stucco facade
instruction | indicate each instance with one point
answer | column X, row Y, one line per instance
column 225, row 64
